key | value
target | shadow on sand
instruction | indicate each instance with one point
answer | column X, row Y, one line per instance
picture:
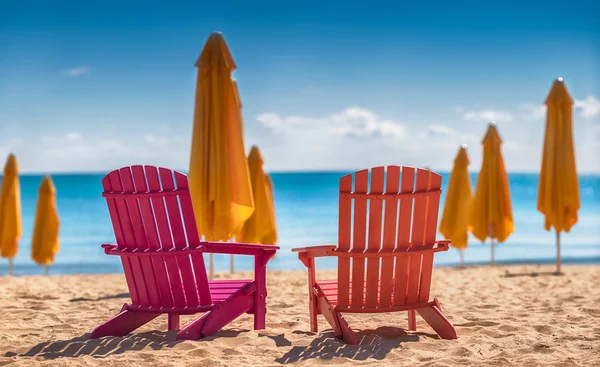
column 120, row 295
column 374, row 344
column 101, row 347
column 532, row 274
column 108, row 346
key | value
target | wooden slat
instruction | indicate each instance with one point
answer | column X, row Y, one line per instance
column 433, row 203
column 359, row 238
column 179, row 239
column 147, row 215
column 417, row 236
column 120, row 238
column 374, row 237
column 148, row 279
column 164, row 233
column 344, row 238
column 125, row 220
column 191, row 230
column 389, row 235
column 404, row 220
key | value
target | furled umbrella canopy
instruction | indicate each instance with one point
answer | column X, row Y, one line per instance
column 45, row 241
column 558, row 191
column 218, row 175
column 11, row 227
column 491, row 213
column 260, row 227
column 455, row 218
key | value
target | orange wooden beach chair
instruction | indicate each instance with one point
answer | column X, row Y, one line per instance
column 386, row 243
column 162, row 255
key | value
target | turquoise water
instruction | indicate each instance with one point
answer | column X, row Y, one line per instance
column 306, row 205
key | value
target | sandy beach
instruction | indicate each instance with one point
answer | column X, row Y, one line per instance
column 507, row 315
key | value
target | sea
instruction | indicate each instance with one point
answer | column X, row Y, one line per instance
column 306, row 207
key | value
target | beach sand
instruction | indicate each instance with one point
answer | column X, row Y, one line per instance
column 506, row 315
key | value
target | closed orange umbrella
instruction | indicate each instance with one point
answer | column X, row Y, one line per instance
column 11, row 227
column 491, row 213
column 218, row 175
column 260, row 227
column 558, row 192
column 44, row 241
column 455, row 218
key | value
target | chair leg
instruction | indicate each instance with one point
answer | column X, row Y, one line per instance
column 260, row 294
column 173, row 321
column 313, row 311
column 221, row 315
column 412, row 320
column 438, row 322
column 124, row 323
column 340, row 327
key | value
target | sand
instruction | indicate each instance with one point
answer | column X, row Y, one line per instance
column 507, row 315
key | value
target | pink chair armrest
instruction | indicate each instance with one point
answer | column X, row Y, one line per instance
column 234, row 248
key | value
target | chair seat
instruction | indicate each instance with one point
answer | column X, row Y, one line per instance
column 220, row 290
column 329, row 288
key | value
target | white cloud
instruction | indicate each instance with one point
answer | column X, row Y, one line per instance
column 69, row 152
column 533, row 112
column 352, row 121
column 589, row 107
column 487, row 115
column 151, row 139
column 73, row 137
column 75, row 71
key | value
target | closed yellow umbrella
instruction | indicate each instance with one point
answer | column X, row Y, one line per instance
column 44, row 241
column 218, row 175
column 261, row 226
column 455, row 218
column 11, row 227
column 558, row 192
column 491, row 214
column 271, row 237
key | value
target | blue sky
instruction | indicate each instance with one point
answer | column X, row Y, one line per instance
column 335, row 86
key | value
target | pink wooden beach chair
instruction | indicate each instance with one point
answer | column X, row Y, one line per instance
column 157, row 240
column 384, row 260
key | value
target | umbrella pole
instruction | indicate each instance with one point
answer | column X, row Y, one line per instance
column 11, row 267
column 46, row 268
column 462, row 258
column 211, row 272
column 231, row 270
column 493, row 242
column 557, row 252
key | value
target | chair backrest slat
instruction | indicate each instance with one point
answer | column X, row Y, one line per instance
column 404, row 220
column 402, row 216
column 433, row 203
column 158, row 216
column 164, row 233
column 179, row 240
column 147, row 214
column 191, row 231
column 137, row 274
column 389, row 235
column 374, row 237
column 147, row 280
column 359, row 237
column 107, row 184
column 344, row 241
column 417, row 235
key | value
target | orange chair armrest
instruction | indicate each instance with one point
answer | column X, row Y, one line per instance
column 316, row 251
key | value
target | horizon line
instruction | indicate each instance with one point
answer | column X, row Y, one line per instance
column 307, row 171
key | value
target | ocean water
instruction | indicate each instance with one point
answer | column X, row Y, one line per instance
column 306, row 207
